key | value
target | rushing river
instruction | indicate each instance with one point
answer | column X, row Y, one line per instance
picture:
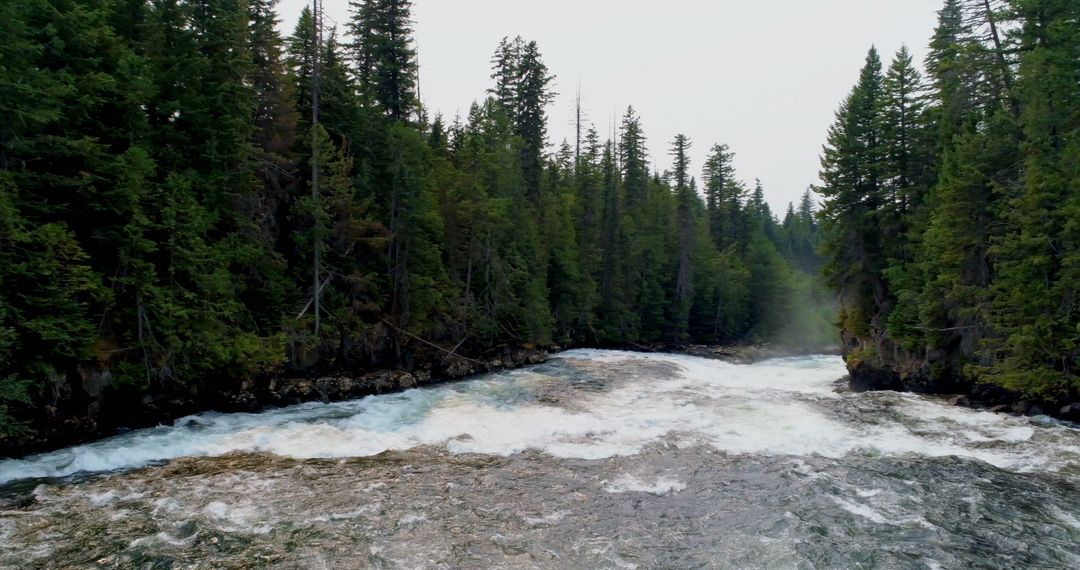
column 596, row 459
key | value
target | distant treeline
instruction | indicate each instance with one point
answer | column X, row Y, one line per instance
column 952, row 209
column 157, row 218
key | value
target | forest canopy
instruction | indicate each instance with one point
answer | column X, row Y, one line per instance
column 159, row 224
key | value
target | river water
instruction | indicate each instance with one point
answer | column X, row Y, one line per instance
column 596, row 459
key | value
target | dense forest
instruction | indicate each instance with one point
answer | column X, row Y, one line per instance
column 952, row 206
column 174, row 215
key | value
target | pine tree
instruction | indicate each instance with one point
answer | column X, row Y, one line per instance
column 523, row 90
column 568, row 286
column 506, row 72
column 534, row 95
column 973, row 215
column 589, row 202
column 958, row 266
column 851, row 176
column 723, row 196
column 384, row 55
column 908, row 169
column 905, row 152
column 616, row 320
column 947, row 65
column 300, row 59
column 686, row 196
column 634, row 157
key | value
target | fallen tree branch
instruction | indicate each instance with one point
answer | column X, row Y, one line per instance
column 431, row 344
column 953, row 329
column 453, row 351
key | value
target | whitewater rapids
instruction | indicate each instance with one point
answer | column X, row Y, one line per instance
column 595, row 459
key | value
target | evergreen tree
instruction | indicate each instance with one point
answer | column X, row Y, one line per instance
column 852, row 189
column 905, row 152
column 948, row 68
column 300, row 59
column 633, row 156
column 686, row 195
column 384, row 55
column 506, row 72
column 723, row 196
column 523, row 89
column 907, row 170
column 533, row 96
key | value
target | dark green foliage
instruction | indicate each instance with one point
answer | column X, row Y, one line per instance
column 953, row 235
column 1035, row 314
column 384, row 55
column 522, row 89
column 634, row 158
column 158, row 223
column 686, row 221
column 801, row 235
column 724, row 196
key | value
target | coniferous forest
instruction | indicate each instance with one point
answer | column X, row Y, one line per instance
column 173, row 218
column 952, row 208
column 236, row 256
column 191, row 200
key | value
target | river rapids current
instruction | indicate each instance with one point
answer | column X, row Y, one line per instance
column 596, row 459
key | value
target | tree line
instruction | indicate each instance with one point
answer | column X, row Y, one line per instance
column 158, row 226
column 952, row 202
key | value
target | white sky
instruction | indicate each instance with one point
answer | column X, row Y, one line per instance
column 764, row 77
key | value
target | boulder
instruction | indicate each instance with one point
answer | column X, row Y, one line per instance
column 1070, row 413
column 457, row 368
column 1028, row 408
column 962, row 401
column 404, row 380
column 866, row 379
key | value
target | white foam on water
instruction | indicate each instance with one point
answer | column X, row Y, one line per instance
column 161, row 538
column 1069, row 519
column 545, row 520
column 861, row 510
column 7, row 529
column 787, row 406
column 629, row 484
column 411, row 520
column 102, row 499
column 237, row 517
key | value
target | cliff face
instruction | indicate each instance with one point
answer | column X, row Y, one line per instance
column 876, row 362
column 86, row 404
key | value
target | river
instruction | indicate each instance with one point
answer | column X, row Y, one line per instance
column 596, row 459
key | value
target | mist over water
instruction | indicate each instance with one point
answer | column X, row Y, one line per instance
column 595, row 459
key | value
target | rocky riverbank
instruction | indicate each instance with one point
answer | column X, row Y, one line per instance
column 902, row 371
column 89, row 407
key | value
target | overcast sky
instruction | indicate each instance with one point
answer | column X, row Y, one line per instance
column 764, row 77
